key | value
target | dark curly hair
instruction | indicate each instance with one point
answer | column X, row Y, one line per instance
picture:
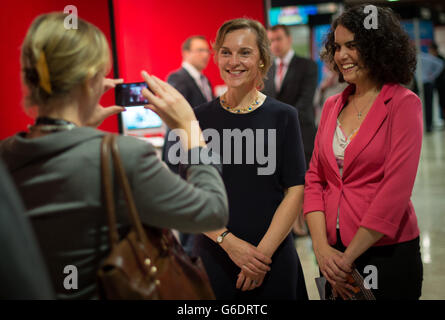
column 387, row 51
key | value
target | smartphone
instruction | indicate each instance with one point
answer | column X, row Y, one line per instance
column 130, row 94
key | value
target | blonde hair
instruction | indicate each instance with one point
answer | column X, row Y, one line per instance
column 262, row 41
column 56, row 59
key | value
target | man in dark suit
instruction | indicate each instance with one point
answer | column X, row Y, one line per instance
column 190, row 82
column 293, row 80
column 196, row 88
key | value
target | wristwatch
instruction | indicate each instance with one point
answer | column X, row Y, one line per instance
column 220, row 238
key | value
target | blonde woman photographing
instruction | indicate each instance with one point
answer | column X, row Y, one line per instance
column 56, row 164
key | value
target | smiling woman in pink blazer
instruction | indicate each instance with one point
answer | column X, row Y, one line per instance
column 358, row 187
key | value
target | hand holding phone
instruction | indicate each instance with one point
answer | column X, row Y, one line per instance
column 100, row 113
column 174, row 110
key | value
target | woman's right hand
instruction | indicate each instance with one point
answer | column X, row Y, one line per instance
column 246, row 256
column 168, row 103
column 174, row 110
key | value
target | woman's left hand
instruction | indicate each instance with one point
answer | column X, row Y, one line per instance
column 344, row 263
column 100, row 113
column 246, row 283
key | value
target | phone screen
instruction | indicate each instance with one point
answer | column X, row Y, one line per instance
column 130, row 94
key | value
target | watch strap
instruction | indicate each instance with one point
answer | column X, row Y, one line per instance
column 221, row 237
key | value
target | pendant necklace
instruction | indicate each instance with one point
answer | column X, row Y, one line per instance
column 359, row 112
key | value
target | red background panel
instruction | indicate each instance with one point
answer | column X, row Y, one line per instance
column 149, row 33
column 15, row 19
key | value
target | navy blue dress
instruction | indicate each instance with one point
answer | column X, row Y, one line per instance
column 254, row 195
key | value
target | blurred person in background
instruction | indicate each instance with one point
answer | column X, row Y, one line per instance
column 329, row 86
column 431, row 68
column 190, row 82
column 293, row 80
column 196, row 89
column 440, row 80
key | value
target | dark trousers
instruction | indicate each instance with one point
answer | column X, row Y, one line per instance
column 428, row 89
column 399, row 269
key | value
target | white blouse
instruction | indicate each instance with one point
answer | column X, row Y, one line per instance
column 339, row 145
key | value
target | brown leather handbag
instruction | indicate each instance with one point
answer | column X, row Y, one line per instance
column 148, row 263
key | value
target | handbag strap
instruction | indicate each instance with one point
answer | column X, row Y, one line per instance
column 107, row 187
column 109, row 143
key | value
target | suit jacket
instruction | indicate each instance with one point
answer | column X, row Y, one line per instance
column 186, row 85
column 298, row 89
column 380, row 167
column 58, row 177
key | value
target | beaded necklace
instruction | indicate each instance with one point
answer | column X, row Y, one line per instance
column 247, row 109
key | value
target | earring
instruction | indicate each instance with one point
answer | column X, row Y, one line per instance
column 262, row 65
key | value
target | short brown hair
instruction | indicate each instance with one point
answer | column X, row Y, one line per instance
column 261, row 40
column 187, row 44
column 282, row 27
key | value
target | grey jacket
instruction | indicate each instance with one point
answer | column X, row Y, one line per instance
column 58, row 177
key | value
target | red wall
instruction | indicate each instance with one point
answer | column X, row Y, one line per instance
column 149, row 33
column 15, row 18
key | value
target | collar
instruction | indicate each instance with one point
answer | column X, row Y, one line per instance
column 287, row 58
column 386, row 93
column 192, row 71
column 17, row 150
column 376, row 115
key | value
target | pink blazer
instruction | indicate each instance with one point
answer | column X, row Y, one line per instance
column 380, row 167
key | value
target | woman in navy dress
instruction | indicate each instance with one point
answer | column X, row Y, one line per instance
column 259, row 141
